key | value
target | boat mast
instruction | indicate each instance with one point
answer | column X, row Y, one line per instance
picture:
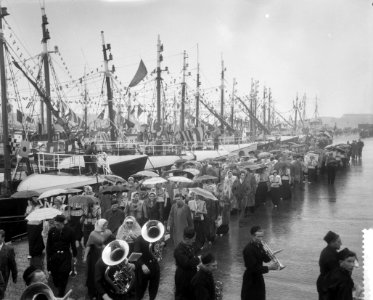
column 232, row 105
column 222, row 92
column 85, row 103
column 4, row 104
column 197, row 94
column 269, row 108
column 264, row 105
column 106, row 47
column 296, row 114
column 45, row 56
column 304, row 106
column 159, row 78
column 182, row 112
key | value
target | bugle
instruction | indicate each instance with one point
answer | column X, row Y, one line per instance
column 272, row 256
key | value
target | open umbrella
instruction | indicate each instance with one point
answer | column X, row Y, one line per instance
column 25, row 194
column 52, row 193
column 176, row 172
column 154, row 180
column 192, row 163
column 256, row 167
column 203, row 193
column 114, row 178
column 43, row 214
column 180, row 179
column 264, row 155
column 205, row 178
column 192, row 171
column 145, row 174
column 73, row 191
column 82, row 199
column 115, row 189
column 180, row 161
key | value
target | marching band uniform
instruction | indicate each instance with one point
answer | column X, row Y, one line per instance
column 186, row 268
column 253, row 287
column 103, row 287
column 149, row 261
column 58, row 254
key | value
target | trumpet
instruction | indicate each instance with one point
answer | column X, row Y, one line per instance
column 272, row 256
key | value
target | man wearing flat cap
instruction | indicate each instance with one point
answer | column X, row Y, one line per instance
column 340, row 285
column 203, row 282
column 328, row 262
column 60, row 243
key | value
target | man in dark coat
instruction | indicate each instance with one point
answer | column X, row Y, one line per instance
column 148, row 271
column 241, row 190
column 114, row 216
column 2, row 287
column 186, row 265
column 203, row 282
column 7, row 261
column 339, row 283
column 253, row 287
column 328, row 261
column 105, row 290
column 60, row 239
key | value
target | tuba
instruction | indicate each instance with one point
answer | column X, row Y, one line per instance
column 41, row 291
column 272, row 256
column 153, row 232
column 118, row 274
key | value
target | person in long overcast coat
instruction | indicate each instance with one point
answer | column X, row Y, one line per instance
column 328, row 262
column 253, row 287
column 340, row 285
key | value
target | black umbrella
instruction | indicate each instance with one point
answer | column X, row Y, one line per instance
column 115, row 189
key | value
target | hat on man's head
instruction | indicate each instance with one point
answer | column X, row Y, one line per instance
column 207, row 258
column 60, row 218
column 345, row 253
column 330, row 237
column 27, row 274
column 189, row 232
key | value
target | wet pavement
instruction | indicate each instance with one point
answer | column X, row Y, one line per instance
column 297, row 226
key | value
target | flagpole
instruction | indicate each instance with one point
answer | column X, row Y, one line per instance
column 108, row 87
column 4, row 104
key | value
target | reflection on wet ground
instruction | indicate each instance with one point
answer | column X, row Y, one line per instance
column 297, row 226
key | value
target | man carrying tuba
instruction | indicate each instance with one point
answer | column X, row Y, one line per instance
column 148, row 271
column 114, row 275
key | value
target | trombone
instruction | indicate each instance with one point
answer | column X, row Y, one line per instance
column 272, row 256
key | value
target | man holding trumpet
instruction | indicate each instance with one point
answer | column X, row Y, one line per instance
column 255, row 254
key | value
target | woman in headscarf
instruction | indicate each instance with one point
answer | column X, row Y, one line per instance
column 129, row 231
column 151, row 207
column 91, row 214
column 136, row 208
column 227, row 189
column 97, row 240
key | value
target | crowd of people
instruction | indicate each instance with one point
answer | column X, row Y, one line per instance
column 238, row 185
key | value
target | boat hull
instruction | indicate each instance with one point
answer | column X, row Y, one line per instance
column 45, row 182
column 121, row 165
column 160, row 161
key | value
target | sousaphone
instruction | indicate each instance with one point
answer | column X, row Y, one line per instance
column 153, row 232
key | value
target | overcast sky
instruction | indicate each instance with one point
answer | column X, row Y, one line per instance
column 323, row 48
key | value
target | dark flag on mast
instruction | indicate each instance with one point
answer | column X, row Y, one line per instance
column 101, row 115
column 140, row 74
column 19, row 116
